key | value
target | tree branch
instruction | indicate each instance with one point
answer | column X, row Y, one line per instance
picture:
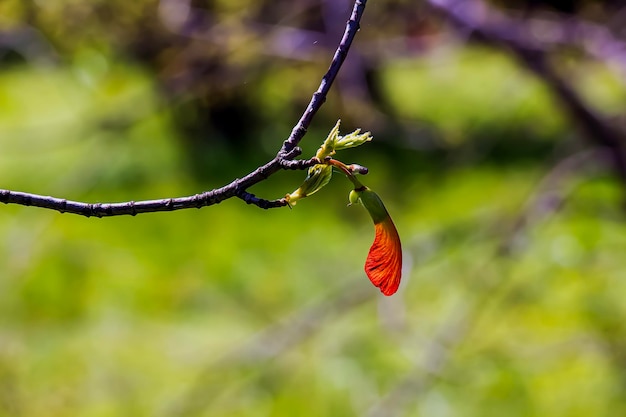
column 284, row 159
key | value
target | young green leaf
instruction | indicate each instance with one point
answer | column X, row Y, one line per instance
column 318, row 176
column 352, row 140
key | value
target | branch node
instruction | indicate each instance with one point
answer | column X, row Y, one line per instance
column 297, row 151
column 299, row 164
column 197, row 199
column 250, row 198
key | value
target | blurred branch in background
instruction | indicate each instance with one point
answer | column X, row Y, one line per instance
column 181, row 18
column 515, row 38
column 29, row 44
column 555, row 32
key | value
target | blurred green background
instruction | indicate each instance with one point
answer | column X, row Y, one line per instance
column 513, row 232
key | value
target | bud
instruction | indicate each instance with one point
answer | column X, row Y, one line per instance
column 359, row 169
column 328, row 147
column 317, row 177
column 353, row 197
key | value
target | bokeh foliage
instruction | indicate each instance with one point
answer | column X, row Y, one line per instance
column 235, row 311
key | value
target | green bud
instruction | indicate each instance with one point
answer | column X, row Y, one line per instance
column 328, row 147
column 371, row 202
column 318, row 176
column 354, row 197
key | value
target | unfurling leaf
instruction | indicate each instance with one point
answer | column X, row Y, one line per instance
column 352, row 140
column 334, row 142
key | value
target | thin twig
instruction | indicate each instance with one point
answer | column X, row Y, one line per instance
column 237, row 188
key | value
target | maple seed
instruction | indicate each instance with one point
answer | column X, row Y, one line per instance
column 384, row 260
